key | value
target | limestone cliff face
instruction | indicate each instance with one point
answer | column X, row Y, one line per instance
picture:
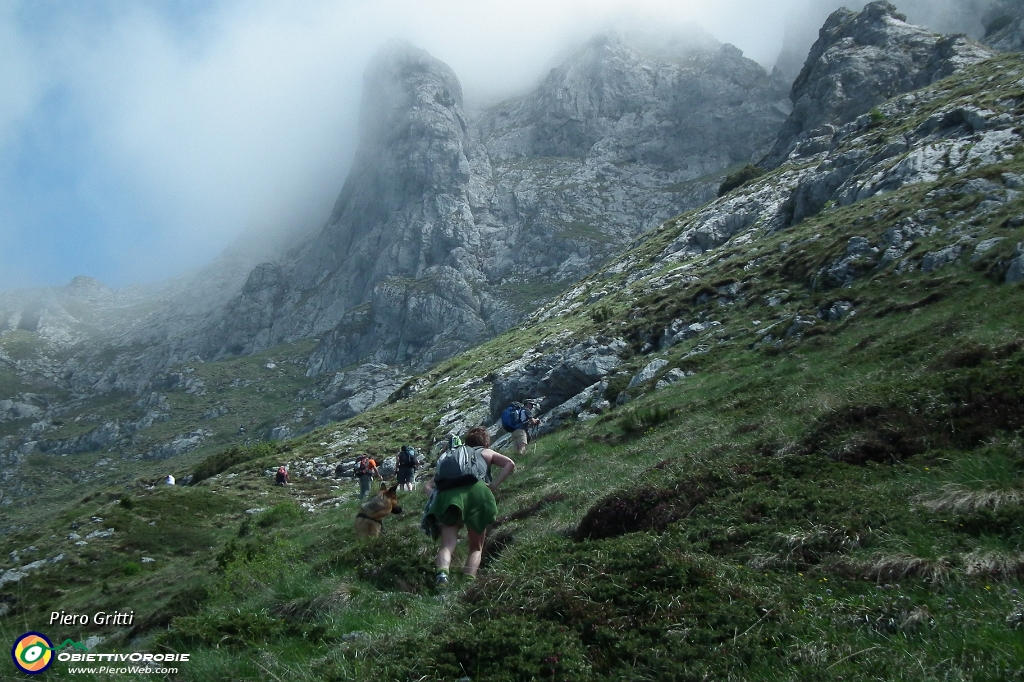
column 614, row 103
column 614, row 142
column 859, row 61
column 448, row 223
column 1004, row 25
column 400, row 246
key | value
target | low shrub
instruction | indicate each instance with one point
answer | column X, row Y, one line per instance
column 739, row 178
column 222, row 461
column 394, row 561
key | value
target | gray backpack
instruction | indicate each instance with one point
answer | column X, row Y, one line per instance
column 461, row 465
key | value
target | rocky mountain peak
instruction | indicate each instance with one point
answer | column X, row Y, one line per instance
column 401, row 231
column 620, row 100
column 452, row 228
column 410, row 96
column 859, row 61
column 87, row 287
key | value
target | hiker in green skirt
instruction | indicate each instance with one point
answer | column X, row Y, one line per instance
column 464, row 496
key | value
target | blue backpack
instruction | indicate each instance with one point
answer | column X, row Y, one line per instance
column 514, row 417
column 408, row 457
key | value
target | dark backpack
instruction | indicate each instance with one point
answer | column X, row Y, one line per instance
column 459, row 466
column 407, row 457
column 514, row 417
column 362, row 465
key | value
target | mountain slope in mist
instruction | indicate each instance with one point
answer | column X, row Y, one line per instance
column 450, row 223
column 453, row 228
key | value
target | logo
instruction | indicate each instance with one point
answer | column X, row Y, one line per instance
column 32, row 653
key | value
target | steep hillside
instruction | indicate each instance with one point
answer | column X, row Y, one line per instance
column 782, row 442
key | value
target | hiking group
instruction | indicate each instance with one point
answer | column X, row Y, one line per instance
column 461, row 492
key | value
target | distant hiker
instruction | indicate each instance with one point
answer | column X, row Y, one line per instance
column 169, row 480
column 282, row 476
column 517, row 419
column 366, row 468
column 408, row 462
column 461, row 493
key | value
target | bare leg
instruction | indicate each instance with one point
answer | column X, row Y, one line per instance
column 476, row 550
column 449, row 538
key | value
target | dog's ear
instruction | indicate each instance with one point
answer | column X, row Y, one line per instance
column 392, row 490
column 383, row 485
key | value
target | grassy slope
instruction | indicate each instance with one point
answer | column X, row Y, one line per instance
column 260, row 399
column 845, row 504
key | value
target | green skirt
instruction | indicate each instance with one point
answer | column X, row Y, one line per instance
column 472, row 505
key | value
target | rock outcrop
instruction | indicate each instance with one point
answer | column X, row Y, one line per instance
column 557, row 376
column 1004, row 25
column 859, row 61
column 350, row 393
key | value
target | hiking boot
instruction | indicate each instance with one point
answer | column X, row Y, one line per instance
column 442, row 580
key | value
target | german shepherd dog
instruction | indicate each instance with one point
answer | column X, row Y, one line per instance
column 370, row 519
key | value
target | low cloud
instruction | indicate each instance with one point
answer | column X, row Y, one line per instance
column 138, row 140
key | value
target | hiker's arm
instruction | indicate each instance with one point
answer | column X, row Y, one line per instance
column 499, row 460
column 428, row 487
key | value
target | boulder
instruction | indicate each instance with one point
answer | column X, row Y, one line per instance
column 678, row 330
column 984, row 245
column 1015, row 273
column 670, row 377
column 837, row 311
column 647, row 373
column 557, row 376
column 799, row 325
column 933, row 260
column 280, row 433
column 11, row 410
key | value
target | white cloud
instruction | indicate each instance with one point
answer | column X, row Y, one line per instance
column 243, row 117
